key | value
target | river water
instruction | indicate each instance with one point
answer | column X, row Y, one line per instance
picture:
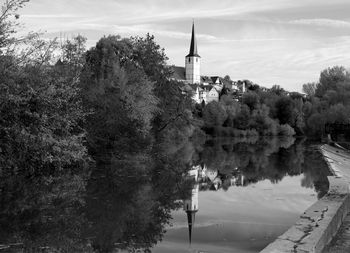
column 222, row 195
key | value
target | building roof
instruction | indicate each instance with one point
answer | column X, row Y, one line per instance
column 193, row 46
column 206, row 79
column 179, row 73
column 215, row 79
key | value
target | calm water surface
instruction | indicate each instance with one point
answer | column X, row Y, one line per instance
column 233, row 195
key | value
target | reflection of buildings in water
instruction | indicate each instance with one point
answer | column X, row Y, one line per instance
column 211, row 179
column 205, row 179
column 191, row 204
column 237, row 181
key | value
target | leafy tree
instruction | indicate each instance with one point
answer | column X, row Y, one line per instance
column 227, row 82
column 40, row 116
column 278, row 90
column 43, row 160
column 241, row 121
column 232, row 108
column 330, row 102
column 309, row 89
column 214, row 114
column 261, row 121
column 8, row 22
column 175, row 101
column 330, row 78
column 118, row 92
column 284, row 110
column 316, row 124
column 251, row 86
column 251, row 99
column 152, row 58
column 73, row 53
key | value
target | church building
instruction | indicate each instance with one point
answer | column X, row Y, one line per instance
column 205, row 88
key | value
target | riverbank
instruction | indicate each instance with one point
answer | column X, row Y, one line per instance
column 318, row 224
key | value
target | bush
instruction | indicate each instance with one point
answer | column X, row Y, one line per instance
column 285, row 130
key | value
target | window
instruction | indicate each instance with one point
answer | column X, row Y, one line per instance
column 196, row 59
column 189, row 60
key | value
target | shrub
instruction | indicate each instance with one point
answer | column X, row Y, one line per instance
column 285, row 130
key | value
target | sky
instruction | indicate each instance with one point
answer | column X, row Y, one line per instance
column 269, row 42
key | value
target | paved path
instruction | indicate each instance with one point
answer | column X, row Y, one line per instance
column 329, row 216
column 339, row 162
column 341, row 242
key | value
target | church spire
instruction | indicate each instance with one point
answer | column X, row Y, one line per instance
column 190, row 219
column 193, row 47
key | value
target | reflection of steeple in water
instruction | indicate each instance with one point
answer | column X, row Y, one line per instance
column 191, row 204
column 201, row 175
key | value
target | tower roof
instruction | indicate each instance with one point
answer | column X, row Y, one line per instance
column 193, row 46
column 191, row 215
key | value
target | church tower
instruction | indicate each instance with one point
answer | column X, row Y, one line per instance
column 191, row 204
column 192, row 61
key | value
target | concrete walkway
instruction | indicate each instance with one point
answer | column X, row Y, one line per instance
column 320, row 223
column 338, row 160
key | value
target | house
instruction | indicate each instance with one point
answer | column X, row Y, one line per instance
column 205, row 88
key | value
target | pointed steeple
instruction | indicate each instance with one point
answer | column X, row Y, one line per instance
column 193, row 47
column 191, row 215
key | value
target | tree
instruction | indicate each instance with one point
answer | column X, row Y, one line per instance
column 261, row 121
column 231, row 107
column 8, row 22
column 309, row 89
column 241, row 121
column 214, row 114
column 278, row 90
column 174, row 98
column 119, row 93
column 227, row 82
column 284, row 110
column 330, row 78
column 43, row 160
column 73, row 52
column 40, row 110
column 251, row 99
column 316, row 124
column 152, row 58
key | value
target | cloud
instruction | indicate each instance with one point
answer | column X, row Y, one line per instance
column 207, row 9
column 269, row 41
column 322, row 22
column 143, row 29
column 45, row 16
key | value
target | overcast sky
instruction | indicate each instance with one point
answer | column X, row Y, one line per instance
column 267, row 41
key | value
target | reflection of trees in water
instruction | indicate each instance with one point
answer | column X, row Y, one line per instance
column 315, row 173
column 262, row 159
column 129, row 202
column 126, row 202
column 42, row 212
column 252, row 158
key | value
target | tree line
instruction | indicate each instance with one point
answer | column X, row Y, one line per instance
column 62, row 104
column 73, row 120
column 70, row 117
column 56, row 111
column 275, row 111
